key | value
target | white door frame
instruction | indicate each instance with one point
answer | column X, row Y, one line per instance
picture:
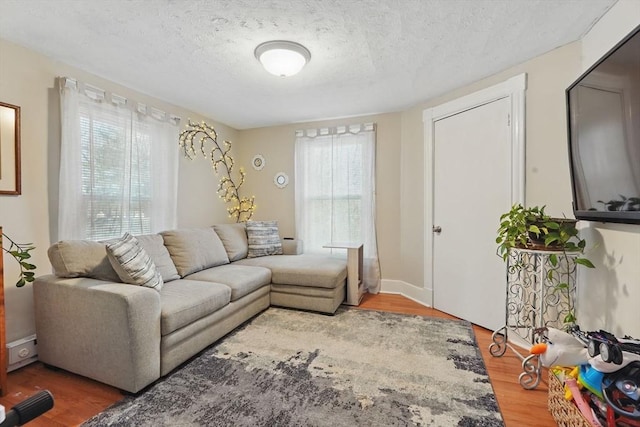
column 514, row 89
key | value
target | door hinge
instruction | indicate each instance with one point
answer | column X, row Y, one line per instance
column 508, row 119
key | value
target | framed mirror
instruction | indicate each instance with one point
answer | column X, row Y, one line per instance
column 9, row 149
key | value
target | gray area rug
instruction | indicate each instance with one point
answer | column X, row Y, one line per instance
column 293, row 368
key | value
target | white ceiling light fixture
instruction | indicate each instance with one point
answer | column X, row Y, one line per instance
column 282, row 58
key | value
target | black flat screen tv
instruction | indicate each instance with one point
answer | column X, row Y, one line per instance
column 603, row 121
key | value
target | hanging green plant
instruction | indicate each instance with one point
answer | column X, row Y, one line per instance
column 21, row 252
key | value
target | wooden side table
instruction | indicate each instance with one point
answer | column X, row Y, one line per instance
column 355, row 285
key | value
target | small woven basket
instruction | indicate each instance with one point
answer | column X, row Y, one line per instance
column 563, row 411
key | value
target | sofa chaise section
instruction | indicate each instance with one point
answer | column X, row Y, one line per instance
column 307, row 282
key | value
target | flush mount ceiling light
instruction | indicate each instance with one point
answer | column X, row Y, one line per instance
column 282, row 58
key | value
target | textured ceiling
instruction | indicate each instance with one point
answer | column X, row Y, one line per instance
column 368, row 56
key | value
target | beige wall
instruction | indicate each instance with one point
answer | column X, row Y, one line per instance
column 400, row 162
column 608, row 295
column 27, row 79
column 277, row 145
column 547, row 167
column 401, row 180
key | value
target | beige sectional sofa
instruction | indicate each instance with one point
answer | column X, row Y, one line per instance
column 90, row 323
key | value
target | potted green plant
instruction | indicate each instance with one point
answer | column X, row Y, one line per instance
column 532, row 228
column 21, row 252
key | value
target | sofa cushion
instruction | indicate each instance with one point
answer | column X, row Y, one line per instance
column 154, row 245
column 132, row 263
column 234, row 239
column 242, row 279
column 302, row 270
column 194, row 249
column 81, row 258
column 263, row 238
column 185, row 301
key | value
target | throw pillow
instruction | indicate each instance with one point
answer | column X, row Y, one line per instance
column 132, row 263
column 154, row 245
column 234, row 239
column 81, row 258
column 263, row 238
column 194, row 249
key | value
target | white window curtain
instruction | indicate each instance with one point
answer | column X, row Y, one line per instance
column 118, row 165
column 335, row 192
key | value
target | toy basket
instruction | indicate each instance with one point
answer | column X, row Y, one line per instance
column 563, row 411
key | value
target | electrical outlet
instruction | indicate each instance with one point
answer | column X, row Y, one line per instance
column 22, row 352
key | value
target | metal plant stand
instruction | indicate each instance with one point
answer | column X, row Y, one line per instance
column 541, row 290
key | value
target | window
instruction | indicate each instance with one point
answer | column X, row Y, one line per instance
column 335, row 191
column 118, row 167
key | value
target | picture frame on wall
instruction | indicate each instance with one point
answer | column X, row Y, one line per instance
column 9, row 149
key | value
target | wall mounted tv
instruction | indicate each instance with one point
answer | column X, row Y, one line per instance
column 603, row 118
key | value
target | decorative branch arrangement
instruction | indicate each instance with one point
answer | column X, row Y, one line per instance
column 21, row 253
column 242, row 208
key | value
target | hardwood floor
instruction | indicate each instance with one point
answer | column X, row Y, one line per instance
column 78, row 398
column 519, row 407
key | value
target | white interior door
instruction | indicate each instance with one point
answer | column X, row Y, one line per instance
column 472, row 179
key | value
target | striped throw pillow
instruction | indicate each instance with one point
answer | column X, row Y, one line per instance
column 132, row 263
column 263, row 238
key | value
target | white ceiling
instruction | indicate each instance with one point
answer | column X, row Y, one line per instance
column 368, row 56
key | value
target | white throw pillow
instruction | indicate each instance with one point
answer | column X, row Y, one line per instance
column 132, row 263
column 263, row 238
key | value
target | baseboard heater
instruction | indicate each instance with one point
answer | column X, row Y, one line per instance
column 22, row 352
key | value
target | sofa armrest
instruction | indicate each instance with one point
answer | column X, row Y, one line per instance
column 102, row 330
column 291, row 247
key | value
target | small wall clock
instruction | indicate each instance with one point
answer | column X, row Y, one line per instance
column 258, row 162
column 281, row 180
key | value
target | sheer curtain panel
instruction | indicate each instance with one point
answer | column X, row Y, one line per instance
column 335, row 192
column 118, row 165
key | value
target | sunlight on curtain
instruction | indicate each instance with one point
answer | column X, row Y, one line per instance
column 335, row 192
column 118, row 165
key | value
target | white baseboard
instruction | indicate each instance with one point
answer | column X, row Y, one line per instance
column 420, row 295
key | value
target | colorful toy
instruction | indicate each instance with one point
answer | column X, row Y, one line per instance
column 610, row 348
column 608, row 353
column 560, row 349
column 582, row 405
column 622, row 391
column 591, row 379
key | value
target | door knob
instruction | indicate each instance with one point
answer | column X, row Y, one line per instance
column 437, row 229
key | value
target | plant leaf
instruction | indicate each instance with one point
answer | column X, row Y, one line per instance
column 534, row 229
column 585, row 262
column 552, row 225
column 570, row 318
